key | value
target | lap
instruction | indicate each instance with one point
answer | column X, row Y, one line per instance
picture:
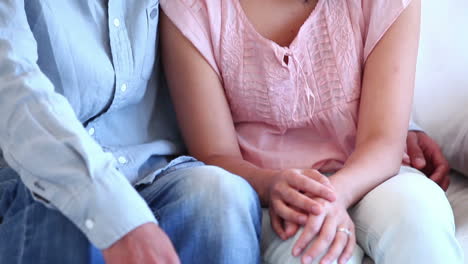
column 207, row 209
column 391, row 220
column 409, row 196
column 277, row 251
column 194, row 187
column 400, row 203
column 185, row 199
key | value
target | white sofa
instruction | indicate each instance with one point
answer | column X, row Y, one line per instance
column 441, row 98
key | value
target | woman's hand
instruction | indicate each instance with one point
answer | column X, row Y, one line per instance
column 332, row 230
column 290, row 198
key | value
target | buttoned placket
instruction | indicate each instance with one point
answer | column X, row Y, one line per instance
column 120, row 48
column 121, row 53
column 122, row 61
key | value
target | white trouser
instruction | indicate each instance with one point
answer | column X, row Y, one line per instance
column 406, row 219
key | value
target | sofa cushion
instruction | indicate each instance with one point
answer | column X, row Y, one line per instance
column 441, row 96
column 458, row 197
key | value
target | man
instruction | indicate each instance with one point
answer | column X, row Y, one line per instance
column 84, row 119
column 84, row 116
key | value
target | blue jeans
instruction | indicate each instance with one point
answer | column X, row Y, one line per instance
column 210, row 215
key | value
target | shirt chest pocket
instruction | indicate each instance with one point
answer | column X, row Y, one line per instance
column 150, row 52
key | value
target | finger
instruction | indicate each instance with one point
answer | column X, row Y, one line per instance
column 287, row 213
column 349, row 249
column 301, row 201
column 276, row 224
column 336, row 249
column 440, row 166
column 445, row 184
column 440, row 173
column 323, row 241
column 308, row 233
column 317, row 176
column 290, row 229
column 305, row 184
column 406, row 159
column 415, row 152
column 439, row 163
column 172, row 258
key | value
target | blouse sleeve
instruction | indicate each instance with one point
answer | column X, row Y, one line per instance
column 200, row 22
column 379, row 16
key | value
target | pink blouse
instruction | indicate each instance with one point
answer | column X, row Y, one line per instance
column 299, row 114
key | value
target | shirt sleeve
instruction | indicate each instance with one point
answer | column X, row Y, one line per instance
column 199, row 21
column 379, row 16
column 414, row 127
column 43, row 141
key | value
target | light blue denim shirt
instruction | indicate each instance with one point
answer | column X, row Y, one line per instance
column 83, row 114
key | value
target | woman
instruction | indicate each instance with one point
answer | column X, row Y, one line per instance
column 283, row 92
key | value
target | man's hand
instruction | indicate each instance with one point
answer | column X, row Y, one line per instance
column 147, row 244
column 426, row 156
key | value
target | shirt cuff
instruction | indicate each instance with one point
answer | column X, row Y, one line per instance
column 108, row 209
column 414, row 127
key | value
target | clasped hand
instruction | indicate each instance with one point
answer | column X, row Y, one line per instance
column 306, row 198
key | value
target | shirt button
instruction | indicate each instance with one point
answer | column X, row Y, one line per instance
column 89, row 224
column 116, row 22
column 123, row 88
column 154, row 13
column 91, row 131
column 122, row 160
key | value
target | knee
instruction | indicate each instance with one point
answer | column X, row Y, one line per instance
column 409, row 207
column 421, row 205
column 218, row 191
column 224, row 205
column 407, row 217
